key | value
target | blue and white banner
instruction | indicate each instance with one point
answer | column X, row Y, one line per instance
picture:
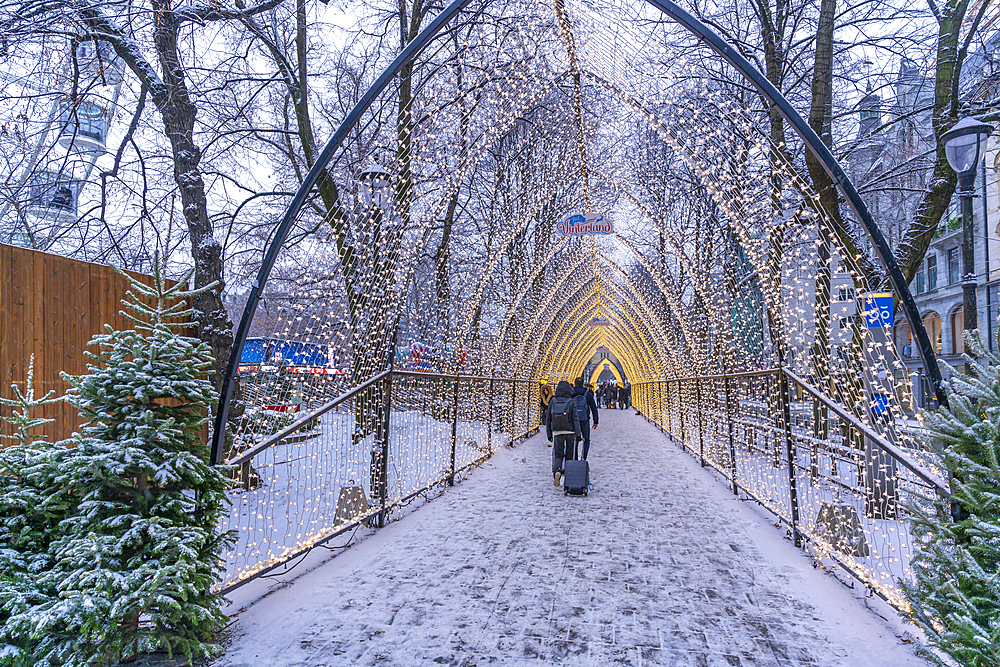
column 877, row 309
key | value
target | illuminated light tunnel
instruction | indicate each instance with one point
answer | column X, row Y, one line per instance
column 710, row 256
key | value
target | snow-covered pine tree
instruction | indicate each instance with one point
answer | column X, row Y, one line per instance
column 137, row 557
column 32, row 503
column 955, row 597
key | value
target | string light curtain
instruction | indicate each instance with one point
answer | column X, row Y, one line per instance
column 516, row 116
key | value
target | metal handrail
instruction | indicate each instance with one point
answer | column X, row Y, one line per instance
column 451, row 376
column 729, row 376
column 330, row 405
column 939, row 485
column 302, row 421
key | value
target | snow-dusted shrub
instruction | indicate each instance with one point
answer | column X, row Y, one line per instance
column 32, row 504
column 955, row 598
column 135, row 558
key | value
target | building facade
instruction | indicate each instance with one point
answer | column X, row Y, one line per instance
column 937, row 285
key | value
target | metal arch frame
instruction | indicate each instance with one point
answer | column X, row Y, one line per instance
column 573, row 322
column 710, row 39
column 822, row 153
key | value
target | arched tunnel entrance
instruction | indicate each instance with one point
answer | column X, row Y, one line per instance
column 589, row 191
column 603, row 367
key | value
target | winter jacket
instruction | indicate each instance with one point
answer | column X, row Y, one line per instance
column 564, row 392
column 589, row 404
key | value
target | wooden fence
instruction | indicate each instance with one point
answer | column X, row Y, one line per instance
column 51, row 306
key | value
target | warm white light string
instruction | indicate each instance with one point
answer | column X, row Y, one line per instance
column 543, row 331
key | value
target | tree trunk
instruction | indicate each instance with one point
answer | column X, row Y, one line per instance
column 178, row 114
column 934, row 203
column 772, row 32
column 829, row 204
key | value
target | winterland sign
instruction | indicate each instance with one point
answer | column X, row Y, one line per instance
column 585, row 224
column 599, row 322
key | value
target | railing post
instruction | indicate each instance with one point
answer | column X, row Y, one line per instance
column 786, row 416
column 670, row 406
column 664, row 397
column 656, row 401
column 701, row 424
column 454, row 432
column 814, row 452
column 489, row 420
column 383, row 473
column 732, row 442
column 510, row 412
column 680, row 410
column 777, row 424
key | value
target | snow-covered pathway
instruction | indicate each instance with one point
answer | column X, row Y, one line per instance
column 658, row 566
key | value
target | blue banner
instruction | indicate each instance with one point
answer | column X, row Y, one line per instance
column 877, row 308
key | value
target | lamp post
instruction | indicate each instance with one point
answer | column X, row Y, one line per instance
column 375, row 183
column 964, row 146
column 376, row 193
column 376, row 188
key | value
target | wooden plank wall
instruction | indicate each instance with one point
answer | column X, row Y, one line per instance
column 51, row 306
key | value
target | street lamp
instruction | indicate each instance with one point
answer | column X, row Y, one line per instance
column 376, row 183
column 376, row 188
column 964, row 146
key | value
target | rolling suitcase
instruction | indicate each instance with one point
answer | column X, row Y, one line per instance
column 576, row 480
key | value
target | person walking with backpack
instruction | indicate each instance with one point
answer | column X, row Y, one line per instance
column 562, row 427
column 586, row 409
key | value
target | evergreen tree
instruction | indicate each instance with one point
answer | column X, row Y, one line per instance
column 955, row 597
column 136, row 557
column 32, row 503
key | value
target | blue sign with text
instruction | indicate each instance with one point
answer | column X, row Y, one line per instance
column 877, row 308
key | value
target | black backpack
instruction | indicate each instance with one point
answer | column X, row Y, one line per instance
column 562, row 414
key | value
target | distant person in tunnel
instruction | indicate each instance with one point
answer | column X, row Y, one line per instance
column 586, row 410
column 626, row 396
column 545, row 392
column 562, row 426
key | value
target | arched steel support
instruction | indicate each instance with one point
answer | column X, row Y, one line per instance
column 710, row 39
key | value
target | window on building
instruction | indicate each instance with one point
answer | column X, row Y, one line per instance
column 954, row 267
column 932, row 272
column 932, row 324
column 957, row 325
column 846, row 322
column 846, row 294
column 904, row 345
column 921, row 280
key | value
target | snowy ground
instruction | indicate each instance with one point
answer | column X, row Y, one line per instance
column 660, row 565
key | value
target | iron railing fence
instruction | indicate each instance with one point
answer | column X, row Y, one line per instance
column 837, row 480
column 360, row 457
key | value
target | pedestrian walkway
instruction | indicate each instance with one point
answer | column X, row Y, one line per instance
column 660, row 565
